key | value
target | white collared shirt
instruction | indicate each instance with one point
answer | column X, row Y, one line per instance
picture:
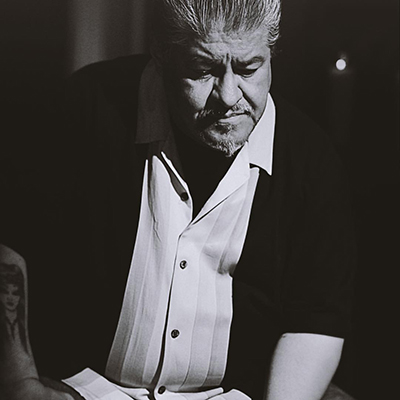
column 173, row 332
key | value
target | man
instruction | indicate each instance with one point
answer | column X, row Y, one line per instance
column 189, row 186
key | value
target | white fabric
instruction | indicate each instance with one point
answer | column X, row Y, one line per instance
column 93, row 386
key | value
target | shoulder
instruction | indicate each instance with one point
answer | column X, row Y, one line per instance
column 102, row 98
column 116, row 79
column 301, row 147
column 296, row 129
column 117, row 70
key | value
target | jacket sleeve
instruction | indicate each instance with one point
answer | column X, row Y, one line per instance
column 318, row 282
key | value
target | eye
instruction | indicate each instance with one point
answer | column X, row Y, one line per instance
column 246, row 72
column 198, row 73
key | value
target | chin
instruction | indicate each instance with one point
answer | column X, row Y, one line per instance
column 226, row 140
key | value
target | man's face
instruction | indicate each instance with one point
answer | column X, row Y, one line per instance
column 217, row 88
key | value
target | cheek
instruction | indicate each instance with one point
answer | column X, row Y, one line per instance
column 195, row 94
column 257, row 93
column 261, row 85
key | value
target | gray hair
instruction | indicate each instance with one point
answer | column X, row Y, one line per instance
column 177, row 22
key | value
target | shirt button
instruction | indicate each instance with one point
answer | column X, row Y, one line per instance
column 161, row 389
column 175, row 333
column 184, row 196
column 183, row 264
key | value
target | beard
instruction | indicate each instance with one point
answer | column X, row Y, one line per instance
column 222, row 138
column 223, row 135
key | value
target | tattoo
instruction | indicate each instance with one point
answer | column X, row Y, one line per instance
column 12, row 305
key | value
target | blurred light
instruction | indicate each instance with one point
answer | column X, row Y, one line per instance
column 341, row 64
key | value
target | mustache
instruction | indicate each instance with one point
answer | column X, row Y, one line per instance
column 214, row 113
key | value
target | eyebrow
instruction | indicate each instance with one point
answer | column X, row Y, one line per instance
column 198, row 58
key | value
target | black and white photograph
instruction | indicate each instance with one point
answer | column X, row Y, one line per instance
column 199, row 199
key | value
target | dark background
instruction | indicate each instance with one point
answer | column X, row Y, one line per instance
column 42, row 41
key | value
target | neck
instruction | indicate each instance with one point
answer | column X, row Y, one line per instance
column 11, row 316
column 203, row 168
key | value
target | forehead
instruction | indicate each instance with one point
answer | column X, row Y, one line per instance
column 220, row 46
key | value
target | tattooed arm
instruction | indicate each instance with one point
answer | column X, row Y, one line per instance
column 18, row 375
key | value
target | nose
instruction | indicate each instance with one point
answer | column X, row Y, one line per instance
column 227, row 89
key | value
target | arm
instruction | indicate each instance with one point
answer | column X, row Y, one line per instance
column 303, row 366
column 18, row 375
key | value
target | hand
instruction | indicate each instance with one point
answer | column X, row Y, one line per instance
column 18, row 373
column 32, row 389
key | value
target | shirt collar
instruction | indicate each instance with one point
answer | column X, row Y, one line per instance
column 154, row 123
column 261, row 140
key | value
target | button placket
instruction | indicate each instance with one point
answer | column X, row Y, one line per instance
column 180, row 318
